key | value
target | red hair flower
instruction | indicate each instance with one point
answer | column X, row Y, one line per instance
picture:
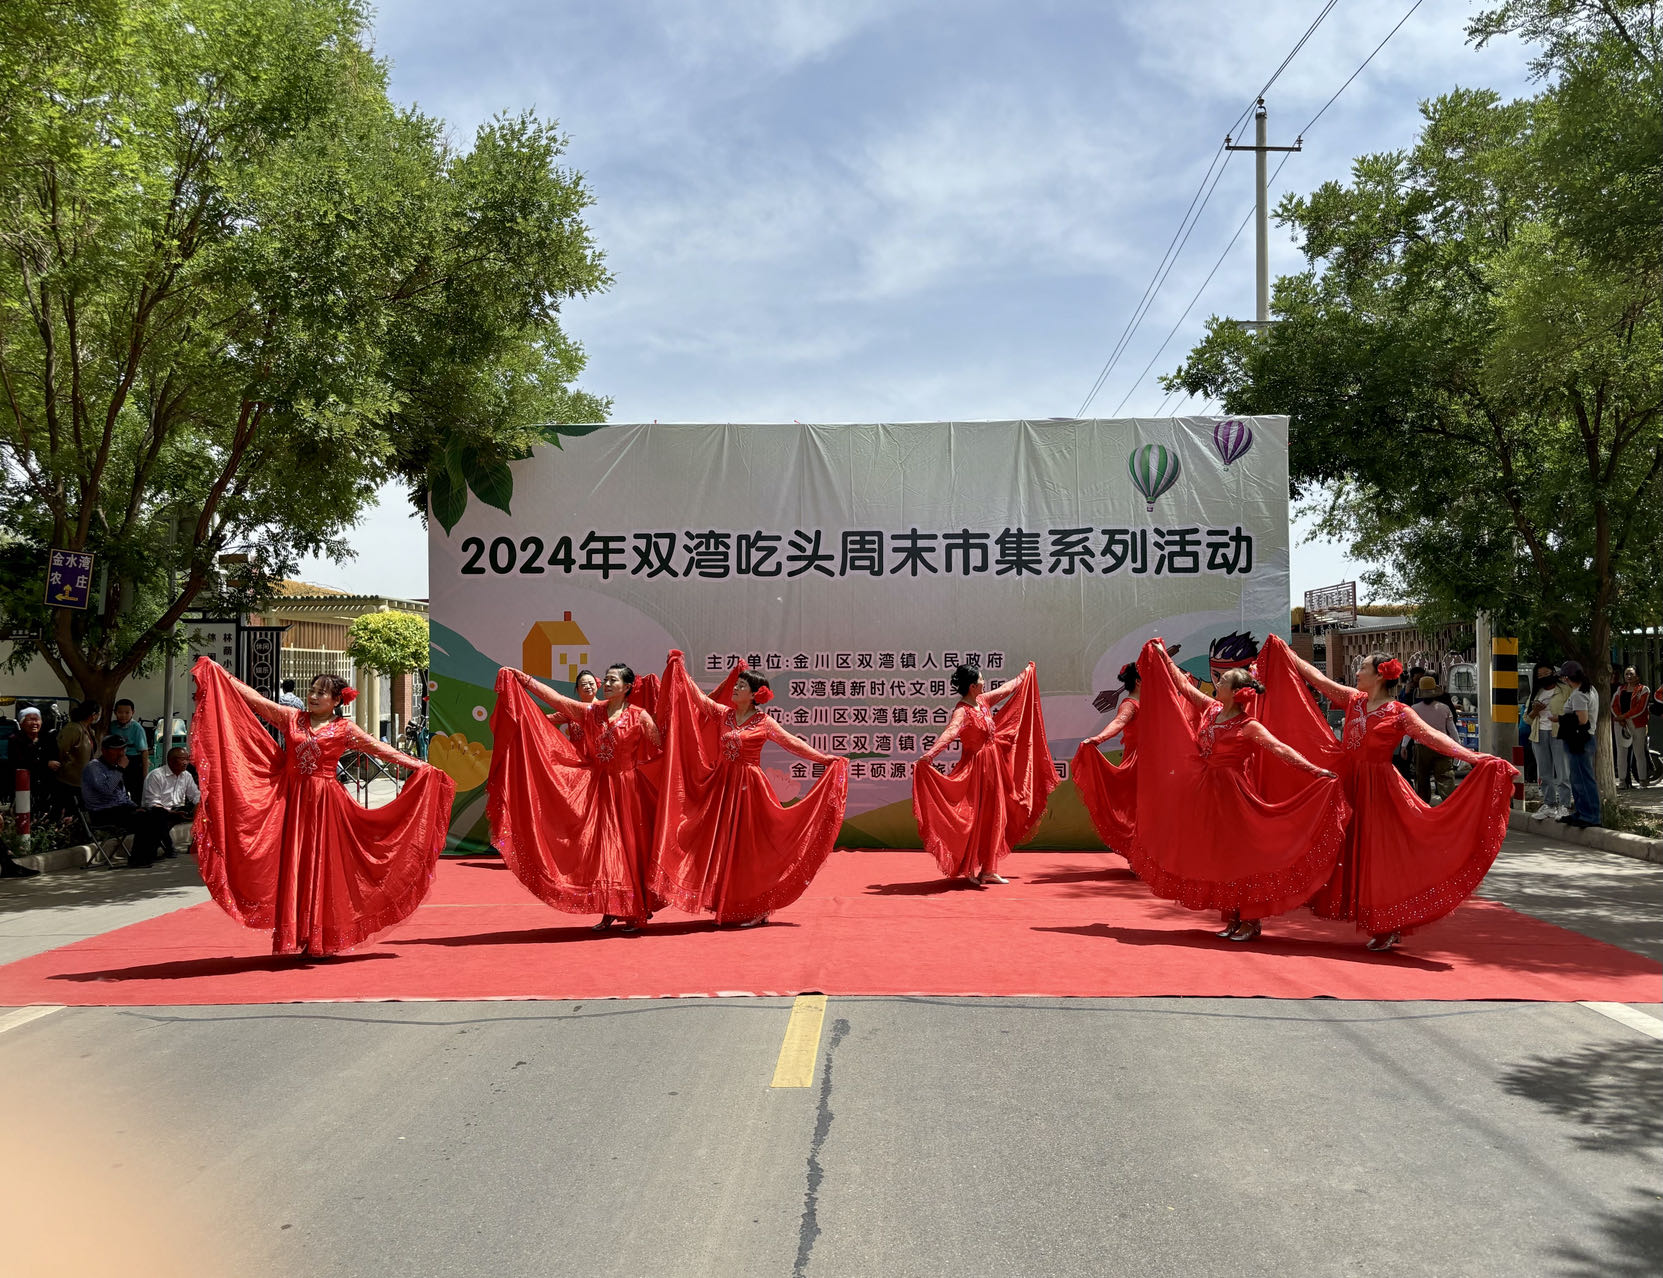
column 348, row 696
column 1390, row 669
column 763, row 696
column 1243, row 696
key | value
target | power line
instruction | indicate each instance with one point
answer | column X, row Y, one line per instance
column 1243, row 226
column 1180, row 235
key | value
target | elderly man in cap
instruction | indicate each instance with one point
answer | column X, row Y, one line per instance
column 1430, row 766
column 104, row 795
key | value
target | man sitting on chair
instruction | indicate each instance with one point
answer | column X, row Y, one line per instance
column 104, row 794
column 172, row 789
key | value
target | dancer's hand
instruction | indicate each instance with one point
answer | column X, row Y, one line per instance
column 1325, row 774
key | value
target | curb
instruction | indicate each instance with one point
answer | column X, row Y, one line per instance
column 1633, row 845
column 51, row 862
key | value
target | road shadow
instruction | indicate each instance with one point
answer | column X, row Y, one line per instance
column 930, row 887
column 1089, row 874
column 1633, row 1243
column 1611, row 1092
column 87, row 886
column 220, row 965
column 1282, row 948
column 1595, row 893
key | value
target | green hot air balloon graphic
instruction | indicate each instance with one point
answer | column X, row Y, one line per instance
column 1154, row 469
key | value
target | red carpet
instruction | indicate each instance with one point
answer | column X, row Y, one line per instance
column 877, row 923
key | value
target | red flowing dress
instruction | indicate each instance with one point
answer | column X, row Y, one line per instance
column 725, row 844
column 994, row 797
column 1110, row 790
column 1405, row 864
column 1206, row 837
column 283, row 847
column 574, row 826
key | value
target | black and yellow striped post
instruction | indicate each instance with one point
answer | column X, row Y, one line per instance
column 1504, row 703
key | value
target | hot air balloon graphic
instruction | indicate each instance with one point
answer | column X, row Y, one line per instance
column 1232, row 438
column 1154, row 469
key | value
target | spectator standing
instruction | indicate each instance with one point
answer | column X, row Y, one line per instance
column 104, row 794
column 1431, row 768
column 77, row 745
column 1548, row 694
column 131, row 731
column 1629, row 711
column 172, row 789
column 1577, row 727
column 287, row 696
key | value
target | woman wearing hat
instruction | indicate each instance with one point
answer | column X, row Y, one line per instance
column 1404, row 864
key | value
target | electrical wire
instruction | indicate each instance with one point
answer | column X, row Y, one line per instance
column 1186, row 225
column 1243, row 225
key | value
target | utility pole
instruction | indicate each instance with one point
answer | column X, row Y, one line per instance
column 1261, row 228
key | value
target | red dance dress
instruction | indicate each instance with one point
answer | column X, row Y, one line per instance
column 1110, row 790
column 283, row 847
column 1405, row 864
column 1206, row 837
column 725, row 844
column 574, row 826
column 972, row 817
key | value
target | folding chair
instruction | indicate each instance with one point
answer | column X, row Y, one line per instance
column 98, row 835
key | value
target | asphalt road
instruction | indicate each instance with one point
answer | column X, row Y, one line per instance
column 939, row 1136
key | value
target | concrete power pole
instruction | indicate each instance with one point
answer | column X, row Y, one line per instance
column 1261, row 220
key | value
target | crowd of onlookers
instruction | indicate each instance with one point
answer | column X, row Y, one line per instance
column 77, row 769
column 1561, row 722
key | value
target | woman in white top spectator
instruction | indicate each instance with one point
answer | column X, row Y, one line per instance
column 1553, row 766
column 1577, row 726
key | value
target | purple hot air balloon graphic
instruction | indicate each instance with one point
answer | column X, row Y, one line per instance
column 1232, row 437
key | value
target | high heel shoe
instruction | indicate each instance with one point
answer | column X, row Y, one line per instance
column 1248, row 931
column 607, row 920
column 1383, row 941
column 1231, row 923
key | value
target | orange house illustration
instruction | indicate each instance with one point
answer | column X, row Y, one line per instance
column 555, row 650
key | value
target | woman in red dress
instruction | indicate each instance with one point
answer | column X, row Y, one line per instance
column 575, row 825
column 993, row 798
column 725, row 845
column 281, row 846
column 1206, row 837
column 1405, row 864
column 587, row 687
column 1109, row 790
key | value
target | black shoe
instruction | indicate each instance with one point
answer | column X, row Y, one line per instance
column 1578, row 823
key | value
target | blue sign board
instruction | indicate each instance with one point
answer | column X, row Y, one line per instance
column 69, row 579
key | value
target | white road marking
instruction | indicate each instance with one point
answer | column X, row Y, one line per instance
column 23, row 1015
column 1623, row 1014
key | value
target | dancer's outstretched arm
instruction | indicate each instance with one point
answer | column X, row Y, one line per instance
column 364, row 743
column 570, row 708
column 1338, row 693
column 1123, row 716
column 1006, row 689
column 1261, row 736
column 1200, row 700
column 279, row 716
column 949, row 734
column 792, row 742
column 1425, row 734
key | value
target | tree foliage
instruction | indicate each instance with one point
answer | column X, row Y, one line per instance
column 241, row 289
column 389, row 643
column 1473, row 356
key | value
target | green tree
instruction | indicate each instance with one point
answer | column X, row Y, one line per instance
column 1473, row 357
column 240, row 289
column 389, row 643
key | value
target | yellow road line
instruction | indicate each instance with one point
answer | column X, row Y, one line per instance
column 802, row 1042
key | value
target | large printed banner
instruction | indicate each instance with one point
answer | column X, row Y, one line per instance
column 855, row 566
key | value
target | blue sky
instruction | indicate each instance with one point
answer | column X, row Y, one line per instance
column 837, row 210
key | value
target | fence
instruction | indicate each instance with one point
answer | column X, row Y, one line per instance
column 305, row 664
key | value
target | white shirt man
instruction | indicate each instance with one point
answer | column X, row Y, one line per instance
column 172, row 786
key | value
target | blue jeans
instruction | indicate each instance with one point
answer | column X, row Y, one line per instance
column 1583, row 787
column 1553, row 770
